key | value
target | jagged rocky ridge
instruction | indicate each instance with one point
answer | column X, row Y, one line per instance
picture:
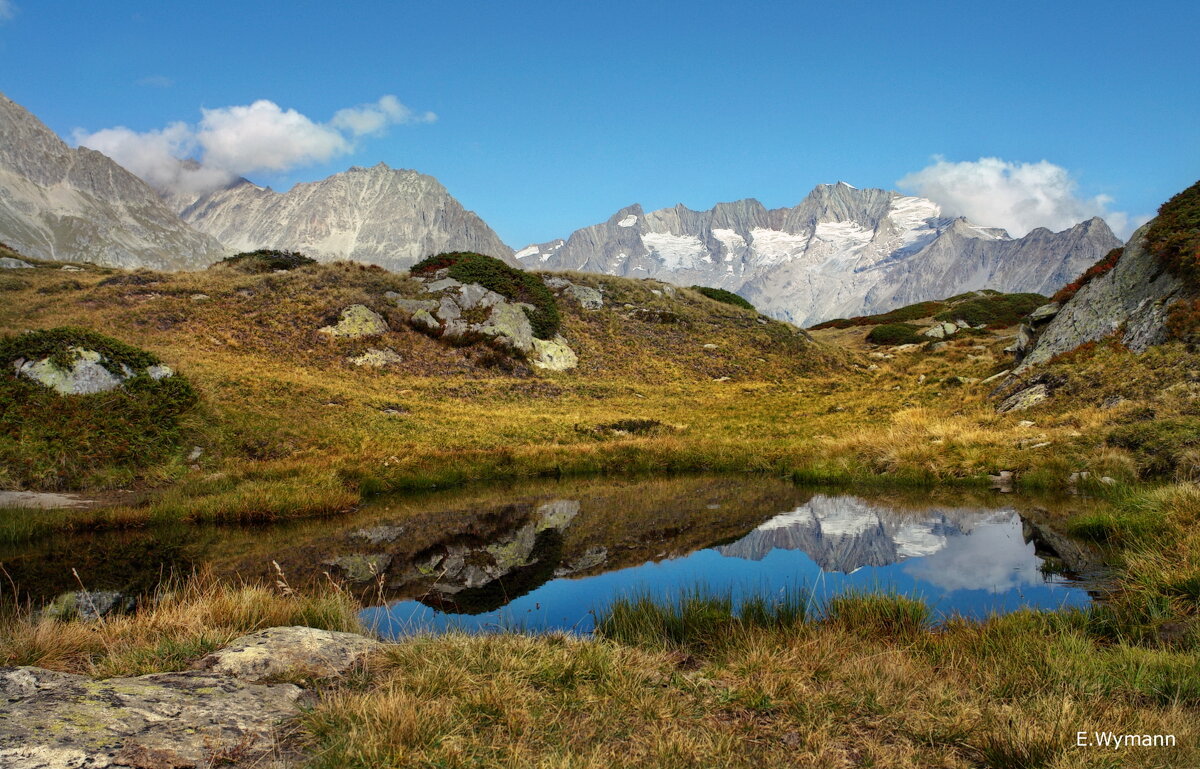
column 841, row 252
column 77, row 205
column 378, row 215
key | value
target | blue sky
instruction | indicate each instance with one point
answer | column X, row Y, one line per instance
column 551, row 116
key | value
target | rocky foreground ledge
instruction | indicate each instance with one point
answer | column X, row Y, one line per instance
column 232, row 709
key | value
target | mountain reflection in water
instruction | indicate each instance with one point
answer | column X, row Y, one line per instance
column 542, row 555
column 970, row 561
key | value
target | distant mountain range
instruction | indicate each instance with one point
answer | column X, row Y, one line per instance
column 842, row 251
column 379, row 215
column 77, row 205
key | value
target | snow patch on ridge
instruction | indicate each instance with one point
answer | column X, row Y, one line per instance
column 677, row 252
column 628, row 221
column 527, row 252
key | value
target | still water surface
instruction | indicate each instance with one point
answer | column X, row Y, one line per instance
column 545, row 556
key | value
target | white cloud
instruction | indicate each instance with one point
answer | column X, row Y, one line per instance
column 1016, row 196
column 371, row 119
column 8, row 9
column 264, row 137
column 156, row 81
column 192, row 159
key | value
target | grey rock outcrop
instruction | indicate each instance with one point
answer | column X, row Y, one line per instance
column 289, row 651
column 841, row 252
column 554, row 354
column 61, row 721
column 89, row 373
column 1131, row 301
column 78, row 205
column 9, row 263
column 357, row 321
column 379, row 215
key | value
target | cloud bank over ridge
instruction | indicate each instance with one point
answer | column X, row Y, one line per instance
column 188, row 160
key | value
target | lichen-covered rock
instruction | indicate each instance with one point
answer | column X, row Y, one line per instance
column 554, row 354
column 410, row 305
column 357, row 321
column 53, row 720
column 511, row 324
column 1044, row 313
column 86, row 376
column 377, row 358
column 281, row 652
column 9, row 263
column 423, row 320
column 1025, row 399
column 588, row 298
column 941, row 330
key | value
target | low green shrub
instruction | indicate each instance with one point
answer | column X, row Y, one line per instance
column 893, row 334
column 57, row 441
column 723, row 296
column 1174, row 235
column 993, row 310
column 510, row 282
column 265, row 260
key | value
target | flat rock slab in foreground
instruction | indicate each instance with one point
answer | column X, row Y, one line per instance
column 42, row 500
column 289, row 651
column 50, row 720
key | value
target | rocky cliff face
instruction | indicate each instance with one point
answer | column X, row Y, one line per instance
column 1130, row 301
column 841, row 252
column 379, row 215
column 77, row 205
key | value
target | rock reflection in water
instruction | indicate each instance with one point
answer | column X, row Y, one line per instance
column 543, row 554
column 969, row 560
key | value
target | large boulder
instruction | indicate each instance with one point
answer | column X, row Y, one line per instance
column 9, row 263
column 53, row 720
column 1129, row 302
column 357, row 321
column 510, row 324
column 282, row 652
column 554, row 354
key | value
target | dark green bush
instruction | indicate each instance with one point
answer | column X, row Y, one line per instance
column 265, row 260
column 993, row 310
column 899, row 315
column 726, row 297
column 510, row 282
column 57, row 441
column 893, row 334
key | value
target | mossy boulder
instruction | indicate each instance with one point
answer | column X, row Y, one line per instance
column 513, row 284
column 357, row 321
column 76, row 404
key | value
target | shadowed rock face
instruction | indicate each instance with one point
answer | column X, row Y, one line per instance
column 379, row 215
column 841, row 252
column 69, row 204
column 1131, row 300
